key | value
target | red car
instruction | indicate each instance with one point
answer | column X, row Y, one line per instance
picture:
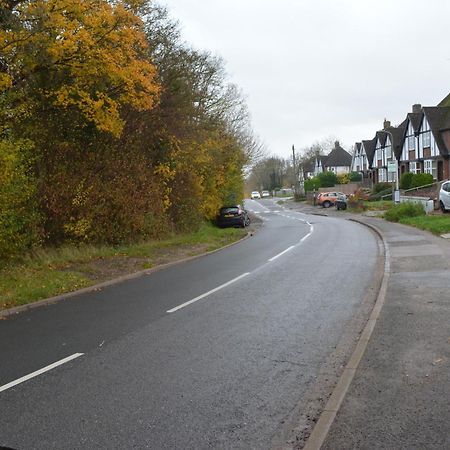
column 327, row 199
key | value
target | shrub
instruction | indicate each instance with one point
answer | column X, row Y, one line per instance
column 311, row 184
column 19, row 219
column 354, row 176
column 421, row 179
column 343, row 178
column 406, row 209
column 406, row 180
column 327, row 179
column 380, row 187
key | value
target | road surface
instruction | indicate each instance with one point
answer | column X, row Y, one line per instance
column 227, row 351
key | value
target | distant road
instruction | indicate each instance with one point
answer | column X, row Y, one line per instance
column 216, row 352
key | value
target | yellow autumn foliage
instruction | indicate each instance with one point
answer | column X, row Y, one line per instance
column 87, row 54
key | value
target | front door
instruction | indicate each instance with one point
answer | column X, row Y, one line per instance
column 440, row 170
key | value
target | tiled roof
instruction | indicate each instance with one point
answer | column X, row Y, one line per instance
column 415, row 119
column 338, row 157
column 381, row 135
column 369, row 147
column 445, row 101
column 398, row 137
column 438, row 119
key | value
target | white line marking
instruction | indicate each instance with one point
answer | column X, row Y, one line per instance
column 40, row 371
column 208, row 293
column 282, row 253
column 306, row 237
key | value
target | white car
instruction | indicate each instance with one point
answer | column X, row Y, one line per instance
column 255, row 194
column 444, row 196
column 265, row 194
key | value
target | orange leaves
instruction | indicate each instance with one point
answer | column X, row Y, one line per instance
column 86, row 54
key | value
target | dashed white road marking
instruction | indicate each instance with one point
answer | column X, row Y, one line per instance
column 196, row 299
column 282, row 253
column 39, row 372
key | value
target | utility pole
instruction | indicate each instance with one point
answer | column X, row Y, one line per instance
column 295, row 170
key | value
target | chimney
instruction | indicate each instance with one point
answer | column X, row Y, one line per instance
column 336, row 144
column 417, row 108
column 386, row 124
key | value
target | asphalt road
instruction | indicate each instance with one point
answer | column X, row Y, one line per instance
column 218, row 352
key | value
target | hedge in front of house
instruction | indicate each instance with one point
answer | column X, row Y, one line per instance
column 402, row 210
column 421, row 179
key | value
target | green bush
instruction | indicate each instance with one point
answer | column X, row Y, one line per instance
column 327, row 179
column 380, row 187
column 19, row 219
column 354, row 176
column 406, row 180
column 311, row 184
column 402, row 210
column 421, row 179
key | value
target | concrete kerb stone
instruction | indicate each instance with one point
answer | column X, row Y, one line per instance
column 326, row 419
column 96, row 287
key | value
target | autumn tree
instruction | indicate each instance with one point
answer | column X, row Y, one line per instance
column 118, row 129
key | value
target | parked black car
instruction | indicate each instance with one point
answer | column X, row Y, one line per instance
column 341, row 202
column 233, row 216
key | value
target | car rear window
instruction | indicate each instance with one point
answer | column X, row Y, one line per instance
column 229, row 210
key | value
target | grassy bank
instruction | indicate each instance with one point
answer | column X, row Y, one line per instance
column 436, row 224
column 50, row 272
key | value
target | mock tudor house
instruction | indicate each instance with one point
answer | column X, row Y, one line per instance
column 367, row 152
column 409, row 159
column 433, row 150
column 359, row 160
column 388, row 148
column 427, row 143
column 420, row 144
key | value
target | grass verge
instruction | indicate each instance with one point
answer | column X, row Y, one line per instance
column 436, row 224
column 50, row 272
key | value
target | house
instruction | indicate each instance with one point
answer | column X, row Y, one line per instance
column 320, row 164
column 433, row 151
column 388, row 148
column 339, row 160
column 426, row 147
column 358, row 159
column 368, row 151
column 308, row 167
column 409, row 158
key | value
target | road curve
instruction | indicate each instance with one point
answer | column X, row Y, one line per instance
column 258, row 324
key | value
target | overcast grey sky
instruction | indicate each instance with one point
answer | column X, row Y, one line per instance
column 311, row 69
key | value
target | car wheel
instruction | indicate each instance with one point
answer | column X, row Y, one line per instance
column 442, row 207
column 326, row 204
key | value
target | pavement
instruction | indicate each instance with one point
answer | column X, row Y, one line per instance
column 399, row 397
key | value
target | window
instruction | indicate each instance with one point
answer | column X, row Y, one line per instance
column 411, row 143
column 388, row 152
column 382, row 175
column 426, row 139
column 430, row 167
column 414, row 167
